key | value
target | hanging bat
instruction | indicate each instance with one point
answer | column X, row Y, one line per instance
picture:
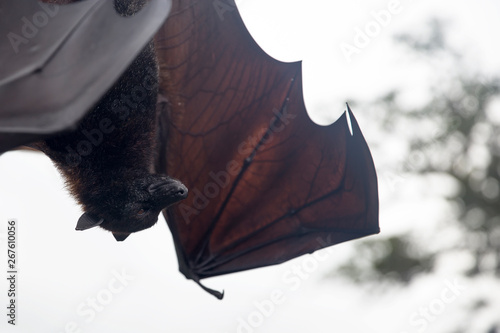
column 265, row 183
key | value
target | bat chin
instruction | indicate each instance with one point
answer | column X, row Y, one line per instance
column 123, row 231
column 122, row 234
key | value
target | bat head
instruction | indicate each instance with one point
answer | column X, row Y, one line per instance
column 131, row 206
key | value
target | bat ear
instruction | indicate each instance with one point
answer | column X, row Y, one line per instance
column 87, row 221
column 119, row 236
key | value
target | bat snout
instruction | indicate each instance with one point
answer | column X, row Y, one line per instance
column 168, row 188
column 178, row 192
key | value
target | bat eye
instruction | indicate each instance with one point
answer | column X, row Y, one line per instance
column 141, row 212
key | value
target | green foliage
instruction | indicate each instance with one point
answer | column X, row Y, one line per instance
column 392, row 259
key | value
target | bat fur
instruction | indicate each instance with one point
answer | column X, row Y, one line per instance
column 107, row 160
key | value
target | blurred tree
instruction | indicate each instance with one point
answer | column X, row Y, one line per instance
column 455, row 135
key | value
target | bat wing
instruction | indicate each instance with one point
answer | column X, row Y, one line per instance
column 57, row 61
column 265, row 183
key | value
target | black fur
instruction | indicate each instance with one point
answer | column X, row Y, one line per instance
column 107, row 160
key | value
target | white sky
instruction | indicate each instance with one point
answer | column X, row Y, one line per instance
column 60, row 268
column 330, row 79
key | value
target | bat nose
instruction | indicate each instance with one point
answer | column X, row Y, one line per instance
column 181, row 191
column 169, row 186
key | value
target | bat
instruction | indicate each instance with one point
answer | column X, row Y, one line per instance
column 116, row 189
column 265, row 183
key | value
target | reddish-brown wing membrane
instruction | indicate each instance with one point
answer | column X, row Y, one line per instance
column 266, row 183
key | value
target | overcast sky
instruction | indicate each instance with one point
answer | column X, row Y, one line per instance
column 70, row 280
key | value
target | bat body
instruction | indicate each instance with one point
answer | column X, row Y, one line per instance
column 107, row 160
